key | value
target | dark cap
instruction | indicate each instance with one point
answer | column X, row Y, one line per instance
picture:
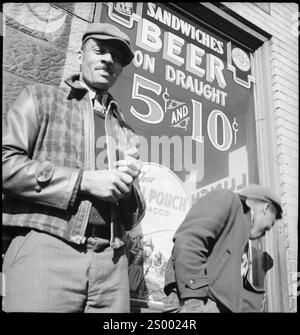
column 258, row 192
column 107, row 31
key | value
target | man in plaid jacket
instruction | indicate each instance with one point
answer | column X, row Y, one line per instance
column 67, row 207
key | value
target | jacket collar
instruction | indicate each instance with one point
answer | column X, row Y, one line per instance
column 74, row 82
column 80, row 90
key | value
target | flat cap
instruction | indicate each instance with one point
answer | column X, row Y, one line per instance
column 259, row 192
column 107, row 31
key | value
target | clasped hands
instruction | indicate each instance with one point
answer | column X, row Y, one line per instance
column 115, row 184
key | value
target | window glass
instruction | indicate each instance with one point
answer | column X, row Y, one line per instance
column 189, row 95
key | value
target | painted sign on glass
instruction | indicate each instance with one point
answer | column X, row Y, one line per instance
column 189, row 96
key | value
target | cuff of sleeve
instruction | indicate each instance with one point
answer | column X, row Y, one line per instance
column 199, row 293
column 76, row 188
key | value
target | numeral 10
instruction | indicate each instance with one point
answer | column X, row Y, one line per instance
column 155, row 115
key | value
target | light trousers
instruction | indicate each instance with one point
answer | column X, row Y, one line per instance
column 45, row 274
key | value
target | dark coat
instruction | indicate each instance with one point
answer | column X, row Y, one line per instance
column 207, row 253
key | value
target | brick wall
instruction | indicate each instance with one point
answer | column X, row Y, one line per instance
column 281, row 21
column 40, row 43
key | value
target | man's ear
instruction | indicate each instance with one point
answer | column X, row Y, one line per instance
column 248, row 203
column 79, row 56
column 265, row 208
column 120, row 71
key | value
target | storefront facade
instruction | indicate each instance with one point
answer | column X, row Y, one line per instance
column 212, row 94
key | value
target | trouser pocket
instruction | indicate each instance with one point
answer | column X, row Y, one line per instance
column 15, row 250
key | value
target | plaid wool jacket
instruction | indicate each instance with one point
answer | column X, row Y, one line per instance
column 48, row 139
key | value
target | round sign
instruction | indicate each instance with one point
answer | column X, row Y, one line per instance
column 150, row 243
column 241, row 59
column 167, row 204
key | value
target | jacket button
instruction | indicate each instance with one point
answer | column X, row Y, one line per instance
column 191, row 281
column 38, row 188
column 44, row 172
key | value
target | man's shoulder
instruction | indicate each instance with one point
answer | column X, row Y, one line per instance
column 47, row 89
column 222, row 196
column 221, row 192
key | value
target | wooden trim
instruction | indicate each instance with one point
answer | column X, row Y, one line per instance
column 98, row 8
column 222, row 23
column 237, row 20
column 244, row 23
column 267, row 154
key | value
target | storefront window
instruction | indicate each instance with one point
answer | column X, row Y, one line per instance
column 189, row 94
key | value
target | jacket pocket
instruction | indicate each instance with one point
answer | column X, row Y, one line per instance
column 197, row 283
column 198, row 280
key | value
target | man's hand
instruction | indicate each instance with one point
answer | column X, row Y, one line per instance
column 130, row 164
column 107, row 185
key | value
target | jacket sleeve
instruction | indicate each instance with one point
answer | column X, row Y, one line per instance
column 194, row 241
column 39, row 182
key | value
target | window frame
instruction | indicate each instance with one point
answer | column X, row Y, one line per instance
column 254, row 39
column 257, row 41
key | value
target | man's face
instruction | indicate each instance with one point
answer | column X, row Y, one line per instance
column 263, row 219
column 101, row 63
